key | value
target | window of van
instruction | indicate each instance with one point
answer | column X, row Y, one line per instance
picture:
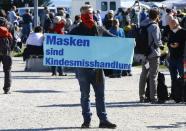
column 87, row 3
column 113, row 5
column 104, row 6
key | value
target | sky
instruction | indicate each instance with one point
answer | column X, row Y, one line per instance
column 61, row 2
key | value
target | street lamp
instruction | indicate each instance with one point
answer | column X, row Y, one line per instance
column 35, row 13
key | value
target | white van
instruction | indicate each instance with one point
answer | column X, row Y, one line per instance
column 103, row 5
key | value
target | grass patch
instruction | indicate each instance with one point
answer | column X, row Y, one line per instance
column 18, row 54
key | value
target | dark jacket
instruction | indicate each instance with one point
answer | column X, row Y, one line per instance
column 27, row 18
column 180, row 38
column 81, row 29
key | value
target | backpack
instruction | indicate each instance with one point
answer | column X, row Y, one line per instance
column 142, row 44
column 162, row 90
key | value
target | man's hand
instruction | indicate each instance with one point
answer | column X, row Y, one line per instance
column 174, row 45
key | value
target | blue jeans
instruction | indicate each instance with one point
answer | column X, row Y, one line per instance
column 25, row 31
column 96, row 79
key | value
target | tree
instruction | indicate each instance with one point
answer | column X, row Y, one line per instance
column 6, row 4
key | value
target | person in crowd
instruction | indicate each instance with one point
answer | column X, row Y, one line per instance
column 44, row 16
column 120, row 16
column 68, row 23
column 49, row 23
column 12, row 15
column 107, row 22
column 126, row 17
column 176, row 44
column 87, row 76
column 151, row 64
column 17, row 37
column 183, row 22
column 134, row 17
column 99, row 19
column 136, row 3
column 163, row 14
column 59, row 28
column 166, row 29
column 95, row 16
column 6, row 45
column 61, row 13
column 119, row 32
column 179, row 15
column 34, row 45
column 77, row 21
column 27, row 25
column 130, row 30
column 143, row 15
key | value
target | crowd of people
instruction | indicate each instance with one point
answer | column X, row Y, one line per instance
column 164, row 26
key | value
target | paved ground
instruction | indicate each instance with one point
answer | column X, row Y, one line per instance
column 41, row 102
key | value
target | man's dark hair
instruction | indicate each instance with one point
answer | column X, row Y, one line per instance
column 67, row 15
column 77, row 17
column 85, row 7
column 153, row 14
column 168, row 11
column 38, row 29
column 27, row 10
column 13, row 7
column 45, row 8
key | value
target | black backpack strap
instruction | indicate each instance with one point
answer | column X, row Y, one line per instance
column 150, row 24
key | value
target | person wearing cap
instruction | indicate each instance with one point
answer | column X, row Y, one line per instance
column 90, row 76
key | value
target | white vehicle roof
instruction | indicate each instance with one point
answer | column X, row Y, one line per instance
column 128, row 4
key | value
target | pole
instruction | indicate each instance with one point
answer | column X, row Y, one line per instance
column 35, row 13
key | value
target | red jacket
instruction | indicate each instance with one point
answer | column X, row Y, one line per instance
column 4, row 32
column 59, row 28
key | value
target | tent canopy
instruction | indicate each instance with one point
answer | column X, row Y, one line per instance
column 175, row 3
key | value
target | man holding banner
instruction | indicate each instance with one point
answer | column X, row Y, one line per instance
column 89, row 53
column 87, row 76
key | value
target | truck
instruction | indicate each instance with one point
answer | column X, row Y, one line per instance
column 103, row 5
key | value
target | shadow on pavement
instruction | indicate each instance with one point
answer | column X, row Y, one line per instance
column 62, row 105
column 44, row 129
column 118, row 105
column 40, row 77
column 37, row 91
column 176, row 125
column 137, row 104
